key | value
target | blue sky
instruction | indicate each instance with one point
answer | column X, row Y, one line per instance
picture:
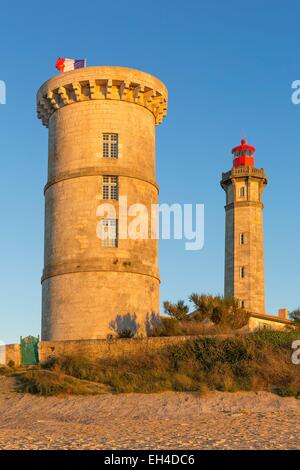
column 228, row 67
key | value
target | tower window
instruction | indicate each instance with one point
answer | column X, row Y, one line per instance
column 109, row 231
column 110, row 145
column 242, row 272
column 110, row 187
column 242, row 239
column 242, row 191
column 242, row 304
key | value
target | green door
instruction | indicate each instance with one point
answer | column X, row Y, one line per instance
column 29, row 350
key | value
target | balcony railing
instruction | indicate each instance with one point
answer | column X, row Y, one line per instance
column 244, row 171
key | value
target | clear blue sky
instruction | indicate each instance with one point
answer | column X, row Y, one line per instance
column 228, row 67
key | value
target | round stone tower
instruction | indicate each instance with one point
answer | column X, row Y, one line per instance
column 101, row 124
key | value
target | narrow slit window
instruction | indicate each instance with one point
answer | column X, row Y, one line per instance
column 242, row 239
column 110, row 187
column 242, row 272
column 110, row 145
column 242, row 191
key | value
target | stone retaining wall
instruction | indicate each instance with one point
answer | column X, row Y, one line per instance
column 94, row 349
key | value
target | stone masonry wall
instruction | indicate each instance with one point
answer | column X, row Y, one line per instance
column 94, row 349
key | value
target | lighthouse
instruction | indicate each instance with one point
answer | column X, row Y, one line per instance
column 244, row 241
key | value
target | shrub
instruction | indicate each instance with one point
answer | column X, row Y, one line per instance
column 178, row 311
column 168, row 327
column 49, row 363
column 126, row 333
column 125, row 326
column 223, row 311
column 295, row 316
column 204, row 305
column 189, row 327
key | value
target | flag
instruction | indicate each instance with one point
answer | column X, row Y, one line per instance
column 65, row 65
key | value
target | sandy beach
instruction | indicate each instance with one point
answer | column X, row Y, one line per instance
column 148, row 421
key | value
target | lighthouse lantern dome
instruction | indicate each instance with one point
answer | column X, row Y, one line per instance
column 243, row 155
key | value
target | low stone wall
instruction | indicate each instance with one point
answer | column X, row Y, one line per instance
column 13, row 353
column 94, row 349
column 102, row 348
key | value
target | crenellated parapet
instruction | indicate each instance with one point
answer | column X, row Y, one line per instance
column 102, row 83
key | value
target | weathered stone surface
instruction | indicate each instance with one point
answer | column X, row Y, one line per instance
column 85, row 285
column 244, row 216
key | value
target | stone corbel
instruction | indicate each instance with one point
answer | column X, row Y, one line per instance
column 108, row 89
column 92, row 85
column 77, row 90
column 138, row 92
column 149, row 97
column 51, row 98
column 63, row 95
column 123, row 91
column 45, row 104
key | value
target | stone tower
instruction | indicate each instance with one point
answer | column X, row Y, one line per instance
column 101, row 124
column 244, row 245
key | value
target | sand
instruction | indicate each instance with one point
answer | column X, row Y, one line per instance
column 169, row 420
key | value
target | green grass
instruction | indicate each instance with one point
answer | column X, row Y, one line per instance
column 257, row 361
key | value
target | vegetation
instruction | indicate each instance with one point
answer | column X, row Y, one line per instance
column 295, row 316
column 177, row 311
column 49, row 383
column 222, row 311
column 211, row 315
column 257, row 361
column 171, row 327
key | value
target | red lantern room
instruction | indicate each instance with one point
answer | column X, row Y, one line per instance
column 243, row 155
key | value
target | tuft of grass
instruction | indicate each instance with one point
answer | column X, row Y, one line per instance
column 49, row 383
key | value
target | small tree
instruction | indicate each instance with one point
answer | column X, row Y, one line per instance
column 229, row 313
column 178, row 311
column 222, row 311
column 204, row 305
